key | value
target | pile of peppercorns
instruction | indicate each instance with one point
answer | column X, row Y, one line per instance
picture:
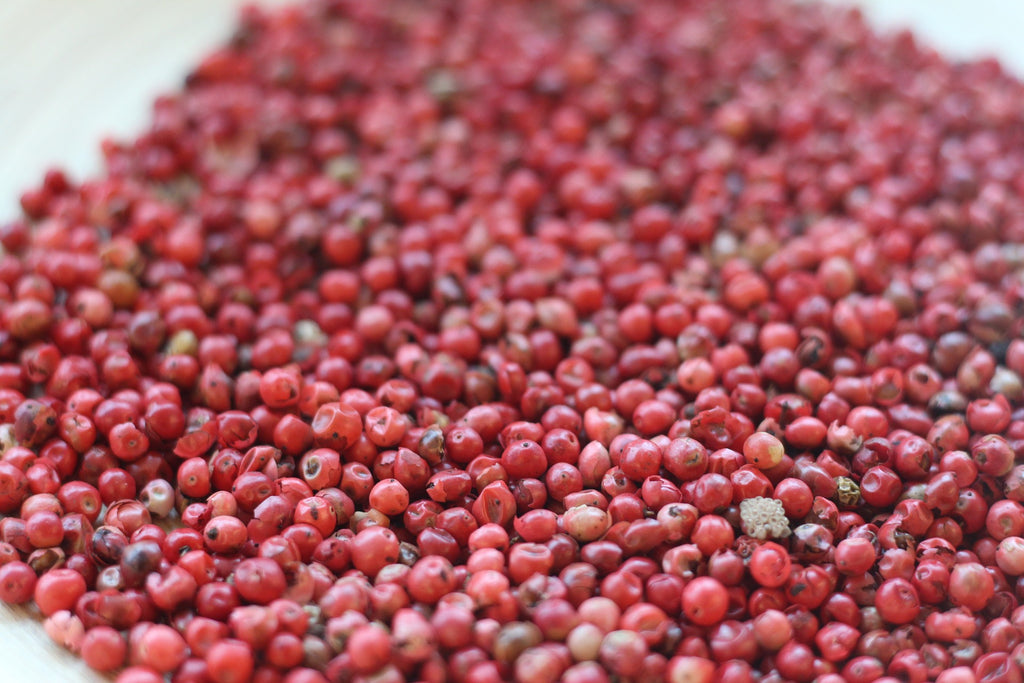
column 567, row 340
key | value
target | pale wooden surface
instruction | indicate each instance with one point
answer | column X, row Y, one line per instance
column 72, row 71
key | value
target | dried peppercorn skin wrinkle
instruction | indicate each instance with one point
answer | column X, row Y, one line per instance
column 530, row 342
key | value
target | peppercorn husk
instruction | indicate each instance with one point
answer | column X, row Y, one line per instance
column 764, row 518
column 847, row 491
column 7, row 439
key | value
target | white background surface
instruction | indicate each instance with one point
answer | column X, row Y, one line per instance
column 72, row 71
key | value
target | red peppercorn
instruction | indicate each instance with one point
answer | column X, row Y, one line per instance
column 897, row 601
column 372, row 548
column 769, row 565
column 17, row 582
column 705, row 601
column 381, row 365
column 58, row 589
column 230, row 661
column 224, row 535
column 970, row 585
